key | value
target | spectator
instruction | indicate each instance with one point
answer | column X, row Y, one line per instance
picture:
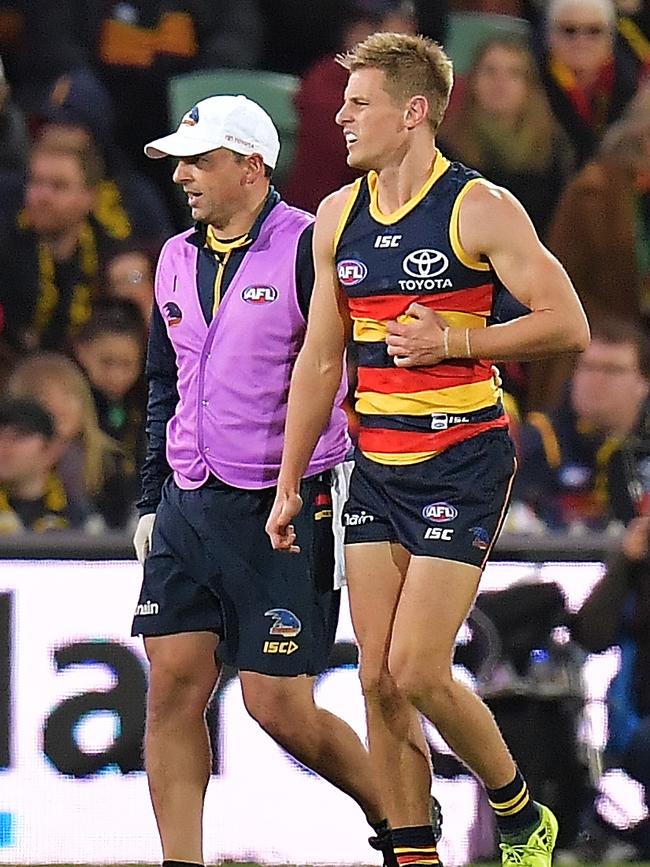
column 504, row 127
column 32, row 496
column 78, row 111
column 601, row 231
column 129, row 276
column 110, row 349
column 320, row 162
column 14, row 136
column 91, row 464
column 617, row 613
column 52, row 251
column 572, row 471
column 634, row 31
column 588, row 83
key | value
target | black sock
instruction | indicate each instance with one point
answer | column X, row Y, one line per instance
column 415, row 846
column 513, row 807
column 181, row 864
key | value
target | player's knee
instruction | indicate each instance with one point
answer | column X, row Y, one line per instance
column 376, row 682
column 423, row 684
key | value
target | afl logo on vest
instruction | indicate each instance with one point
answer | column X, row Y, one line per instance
column 259, row 294
column 351, row 272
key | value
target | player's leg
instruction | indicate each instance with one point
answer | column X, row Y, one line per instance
column 449, row 538
column 285, row 708
column 400, row 754
column 177, row 752
column 375, row 568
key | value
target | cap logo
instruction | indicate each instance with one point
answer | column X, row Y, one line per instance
column 192, row 117
column 239, row 141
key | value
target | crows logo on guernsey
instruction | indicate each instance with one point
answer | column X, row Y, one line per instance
column 173, row 313
column 285, row 622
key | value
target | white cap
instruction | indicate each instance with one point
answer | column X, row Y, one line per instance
column 233, row 122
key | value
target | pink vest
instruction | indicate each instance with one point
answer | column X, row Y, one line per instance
column 233, row 375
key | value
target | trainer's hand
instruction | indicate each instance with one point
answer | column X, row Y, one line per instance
column 418, row 343
column 279, row 527
column 142, row 536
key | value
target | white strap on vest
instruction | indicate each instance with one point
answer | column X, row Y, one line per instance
column 340, row 490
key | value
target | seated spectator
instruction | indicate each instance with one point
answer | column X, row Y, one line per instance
column 110, row 349
column 617, row 613
column 504, row 127
column 78, row 112
column 52, row 252
column 129, row 277
column 91, row 465
column 320, row 162
column 572, row 471
column 588, row 82
column 32, row 496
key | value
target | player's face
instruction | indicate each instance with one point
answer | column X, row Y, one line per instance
column 215, row 185
column 56, row 195
column 373, row 122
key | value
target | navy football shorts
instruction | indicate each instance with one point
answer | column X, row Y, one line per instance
column 450, row 506
column 212, row 568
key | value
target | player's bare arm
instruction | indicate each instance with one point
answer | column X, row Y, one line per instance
column 316, row 375
column 494, row 226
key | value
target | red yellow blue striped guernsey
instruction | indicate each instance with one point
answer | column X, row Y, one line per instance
column 384, row 263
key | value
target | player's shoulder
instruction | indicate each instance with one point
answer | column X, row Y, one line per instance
column 485, row 201
column 332, row 205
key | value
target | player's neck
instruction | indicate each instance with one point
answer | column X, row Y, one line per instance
column 399, row 181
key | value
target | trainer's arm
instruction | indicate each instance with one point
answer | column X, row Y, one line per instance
column 316, row 376
column 161, row 404
column 493, row 225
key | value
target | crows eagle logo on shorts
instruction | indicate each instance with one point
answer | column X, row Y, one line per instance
column 285, row 622
column 173, row 313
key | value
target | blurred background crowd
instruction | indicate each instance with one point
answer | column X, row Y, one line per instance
column 551, row 100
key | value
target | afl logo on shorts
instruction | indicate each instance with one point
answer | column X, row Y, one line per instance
column 351, row 272
column 285, row 622
column 439, row 513
column 425, row 263
column 259, row 294
column 173, row 313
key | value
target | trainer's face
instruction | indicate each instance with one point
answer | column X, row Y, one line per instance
column 56, row 196
column 215, row 184
column 373, row 122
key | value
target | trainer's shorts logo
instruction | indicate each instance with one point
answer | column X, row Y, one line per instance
column 439, row 513
column 285, row 623
column 286, row 647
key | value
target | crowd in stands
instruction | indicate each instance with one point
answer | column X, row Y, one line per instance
column 556, row 109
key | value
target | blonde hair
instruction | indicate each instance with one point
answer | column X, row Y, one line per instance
column 535, row 124
column 34, row 376
column 413, row 66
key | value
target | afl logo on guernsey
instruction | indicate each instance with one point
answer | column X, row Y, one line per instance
column 351, row 272
column 259, row 294
column 439, row 513
column 425, row 263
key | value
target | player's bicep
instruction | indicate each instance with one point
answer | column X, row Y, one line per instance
column 494, row 225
